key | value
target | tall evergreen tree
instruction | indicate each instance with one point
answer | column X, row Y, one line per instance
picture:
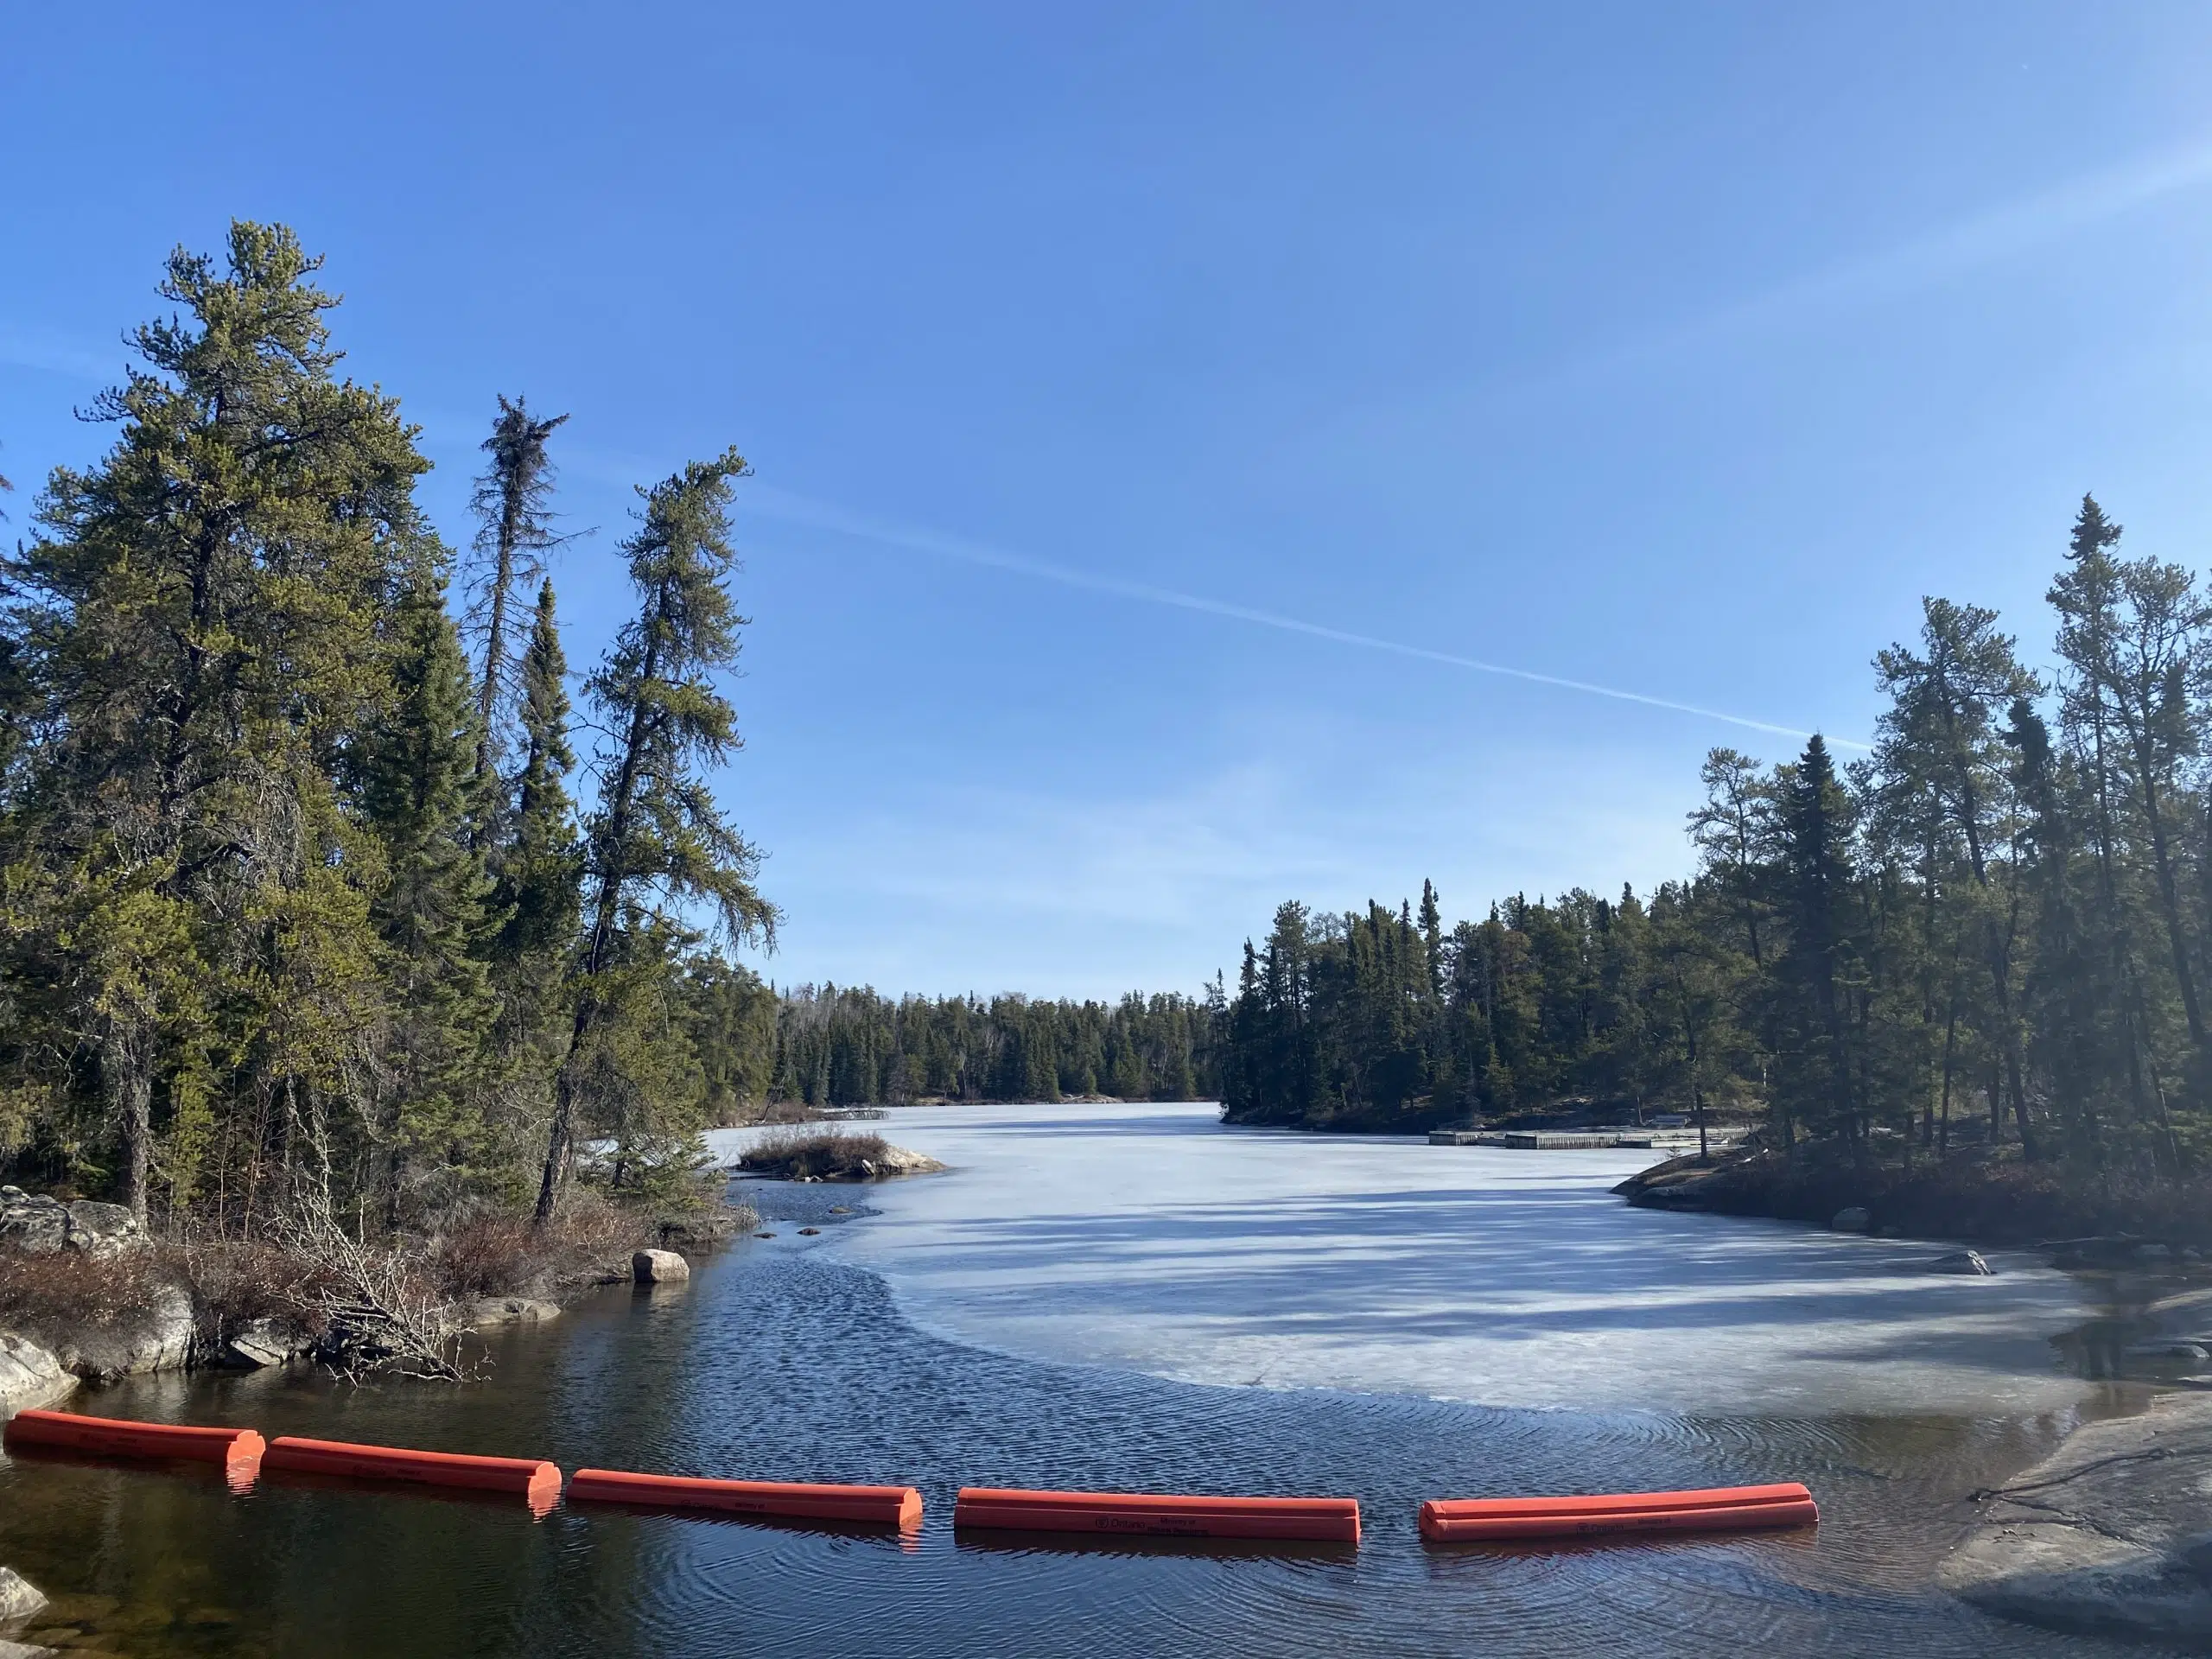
column 512, row 502
column 656, row 838
column 198, row 613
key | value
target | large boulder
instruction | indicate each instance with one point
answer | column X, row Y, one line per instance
column 19, row 1598
column 32, row 1223
column 102, row 1229
column 659, row 1267
column 2123, row 1553
column 1853, row 1218
column 40, row 1225
column 29, row 1376
column 157, row 1336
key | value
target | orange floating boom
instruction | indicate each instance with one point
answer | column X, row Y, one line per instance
column 239, row 1449
column 1720, row 1508
column 525, row 1477
column 883, row 1506
column 1324, row 1520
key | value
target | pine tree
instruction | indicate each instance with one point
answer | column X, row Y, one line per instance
column 200, row 615
column 657, row 837
column 539, row 890
column 416, row 771
column 512, row 503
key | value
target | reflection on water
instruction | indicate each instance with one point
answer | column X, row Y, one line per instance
column 782, row 1360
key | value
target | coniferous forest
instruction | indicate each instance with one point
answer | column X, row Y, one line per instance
column 1991, row 935
column 315, row 887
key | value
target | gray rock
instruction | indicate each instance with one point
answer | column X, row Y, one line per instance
column 102, row 1229
column 39, row 1225
column 659, row 1267
column 2152, row 1253
column 266, row 1342
column 156, row 1338
column 1966, row 1261
column 1853, row 1219
column 496, row 1311
column 19, row 1598
column 29, row 1376
column 2104, row 1537
column 24, row 1650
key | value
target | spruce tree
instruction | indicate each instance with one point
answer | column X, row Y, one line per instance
column 540, row 866
column 200, row 615
column 417, row 770
column 657, row 839
column 512, row 502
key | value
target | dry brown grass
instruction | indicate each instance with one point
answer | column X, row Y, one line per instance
column 825, row 1154
column 68, row 1286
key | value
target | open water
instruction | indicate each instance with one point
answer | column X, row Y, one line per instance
column 1135, row 1298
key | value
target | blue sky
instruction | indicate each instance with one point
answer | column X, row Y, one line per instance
column 1675, row 350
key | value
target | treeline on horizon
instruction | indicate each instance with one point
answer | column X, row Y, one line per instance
column 834, row 1045
column 1992, row 935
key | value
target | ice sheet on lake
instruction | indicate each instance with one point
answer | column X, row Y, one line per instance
column 1151, row 1237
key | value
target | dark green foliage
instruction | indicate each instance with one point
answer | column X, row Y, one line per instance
column 1990, row 937
column 828, row 1045
column 513, row 503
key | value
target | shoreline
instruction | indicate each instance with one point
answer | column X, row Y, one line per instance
column 2104, row 1537
column 2006, row 1205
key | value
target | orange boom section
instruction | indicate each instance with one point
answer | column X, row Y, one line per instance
column 1720, row 1509
column 525, row 1477
column 1324, row 1520
column 239, row 1449
column 882, row 1506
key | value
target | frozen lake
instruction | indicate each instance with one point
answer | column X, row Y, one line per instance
column 1152, row 1237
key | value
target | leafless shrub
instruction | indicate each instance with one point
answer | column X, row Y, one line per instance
column 76, row 1287
column 824, row 1154
column 378, row 1308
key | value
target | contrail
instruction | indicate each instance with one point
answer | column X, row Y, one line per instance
column 798, row 509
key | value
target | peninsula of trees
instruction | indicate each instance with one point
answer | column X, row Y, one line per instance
column 1993, row 935
column 312, row 893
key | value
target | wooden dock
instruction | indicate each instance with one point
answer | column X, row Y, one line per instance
column 1585, row 1140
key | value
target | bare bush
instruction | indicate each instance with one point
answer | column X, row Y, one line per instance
column 76, row 1287
column 379, row 1309
column 826, row 1155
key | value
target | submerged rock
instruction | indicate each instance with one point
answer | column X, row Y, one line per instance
column 496, row 1311
column 29, row 1376
column 659, row 1267
column 2169, row 1350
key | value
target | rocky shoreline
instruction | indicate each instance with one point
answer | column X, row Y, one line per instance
column 2111, row 1536
column 1992, row 1204
column 117, row 1303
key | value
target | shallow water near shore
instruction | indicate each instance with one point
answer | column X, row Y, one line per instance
column 1063, row 1310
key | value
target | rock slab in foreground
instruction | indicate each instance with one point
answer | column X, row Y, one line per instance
column 2108, row 1536
column 659, row 1267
